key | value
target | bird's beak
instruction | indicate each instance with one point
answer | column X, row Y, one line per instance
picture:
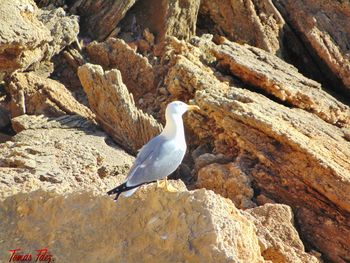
column 193, row 107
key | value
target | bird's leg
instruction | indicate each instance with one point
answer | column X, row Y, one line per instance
column 169, row 187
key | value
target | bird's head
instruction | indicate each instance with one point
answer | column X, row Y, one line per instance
column 179, row 108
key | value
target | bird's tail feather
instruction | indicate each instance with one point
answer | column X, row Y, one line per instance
column 129, row 190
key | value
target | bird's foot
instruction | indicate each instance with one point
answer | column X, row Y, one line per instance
column 160, row 183
column 169, row 187
column 165, row 184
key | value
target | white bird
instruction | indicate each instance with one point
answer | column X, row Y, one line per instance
column 161, row 155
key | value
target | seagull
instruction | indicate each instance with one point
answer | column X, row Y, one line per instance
column 161, row 155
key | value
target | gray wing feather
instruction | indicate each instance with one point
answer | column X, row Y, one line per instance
column 142, row 155
column 158, row 163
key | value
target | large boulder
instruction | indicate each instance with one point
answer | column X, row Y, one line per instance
column 183, row 226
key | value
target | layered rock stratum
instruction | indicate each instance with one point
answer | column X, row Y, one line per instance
column 84, row 84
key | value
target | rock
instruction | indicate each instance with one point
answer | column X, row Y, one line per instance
column 294, row 156
column 115, row 108
column 173, row 17
column 278, row 239
column 4, row 117
column 295, row 161
column 137, row 74
column 209, row 158
column 60, row 159
column 34, row 122
column 228, row 181
column 281, row 80
column 100, row 18
column 32, row 94
column 257, row 23
column 196, row 226
column 30, row 36
column 325, row 33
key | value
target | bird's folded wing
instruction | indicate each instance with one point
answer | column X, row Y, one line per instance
column 143, row 154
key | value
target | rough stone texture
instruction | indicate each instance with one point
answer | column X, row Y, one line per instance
column 196, row 226
column 33, row 94
column 228, row 181
column 206, row 159
column 300, row 160
column 29, row 35
column 35, row 122
column 115, row 108
column 60, row 159
column 137, row 74
column 294, row 156
column 281, row 80
column 100, row 18
column 167, row 17
column 254, row 22
column 278, row 239
column 325, row 31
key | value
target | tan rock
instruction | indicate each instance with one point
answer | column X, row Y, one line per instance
column 208, row 158
column 254, row 22
column 294, row 156
column 35, row 122
column 29, row 35
column 137, row 74
column 281, row 80
column 100, row 18
column 167, row 17
column 32, row 94
column 61, row 157
column 228, row 181
column 300, row 160
column 115, row 108
column 279, row 241
column 196, row 226
column 325, row 32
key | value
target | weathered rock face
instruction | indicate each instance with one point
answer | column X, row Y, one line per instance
column 137, row 74
column 265, row 133
column 278, row 239
column 32, row 94
column 115, row 108
column 173, row 17
column 196, row 226
column 65, row 154
column 29, row 36
column 257, row 23
column 293, row 155
column 325, row 31
column 100, row 18
column 228, row 181
column 281, row 80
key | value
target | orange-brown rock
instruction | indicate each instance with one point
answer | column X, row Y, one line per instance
column 228, row 181
column 294, row 156
column 279, row 241
column 115, row 108
column 153, row 224
column 324, row 30
column 34, row 95
column 281, row 80
column 254, row 22
column 100, row 18
column 167, row 17
column 137, row 73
